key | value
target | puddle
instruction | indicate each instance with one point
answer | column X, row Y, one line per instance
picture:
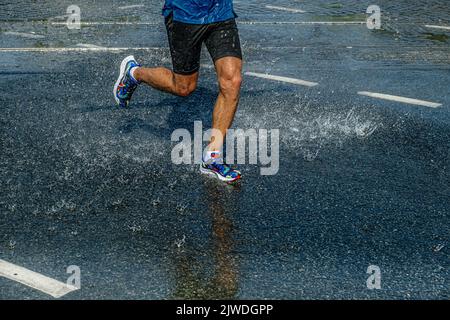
column 342, row 18
column 436, row 36
column 334, row 5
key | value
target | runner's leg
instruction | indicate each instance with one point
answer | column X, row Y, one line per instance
column 229, row 77
column 166, row 80
column 185, row 42
column 225, row 49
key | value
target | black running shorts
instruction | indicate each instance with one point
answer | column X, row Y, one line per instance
column 185, row 42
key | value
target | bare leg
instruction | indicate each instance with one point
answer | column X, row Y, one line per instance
column 166, row 80
column 230, row 78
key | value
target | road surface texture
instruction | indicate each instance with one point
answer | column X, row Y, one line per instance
column 362, row 181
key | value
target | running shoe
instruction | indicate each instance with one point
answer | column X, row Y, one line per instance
column 125, row 84
column 220, row 170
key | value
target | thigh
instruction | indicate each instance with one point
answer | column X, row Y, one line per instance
column 185, row 42
column 223, row 40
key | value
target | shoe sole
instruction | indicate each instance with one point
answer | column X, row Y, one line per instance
column 123, row 65
column 217, row 175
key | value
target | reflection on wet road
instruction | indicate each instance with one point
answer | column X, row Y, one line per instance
column 213, row 274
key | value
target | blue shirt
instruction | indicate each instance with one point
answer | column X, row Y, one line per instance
column 199, row 11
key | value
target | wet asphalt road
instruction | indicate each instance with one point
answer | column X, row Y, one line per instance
column 362, row 181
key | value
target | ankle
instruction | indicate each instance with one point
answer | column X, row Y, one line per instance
column 211, row 156
column 135, row 74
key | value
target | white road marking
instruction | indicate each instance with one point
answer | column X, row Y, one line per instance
column 84, row 47
column 282, row 79
column 81, row 49
column 330, row 23
column 24, row 35
column 285, row 9
column 207, row 66
column 437, row 27
column 133, row 6
column 109, row 23
column 88, row 45
column 35, row 280
column 400, row 99
column 126, row 23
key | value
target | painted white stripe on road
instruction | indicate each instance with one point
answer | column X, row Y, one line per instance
column 133, row 6
column 80, row 49
column 282, row 79
column 437, row 27
column 88, row 45
column 285, row 9
column 109, row 23
column 207, row 66
column 400, row 99
column 35, row 280
column 125, row 23
column 330, row 23
column 24, row 35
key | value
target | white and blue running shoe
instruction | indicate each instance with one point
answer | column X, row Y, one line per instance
column 125, row 84
column 222, row 171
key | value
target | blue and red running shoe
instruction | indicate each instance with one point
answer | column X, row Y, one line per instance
column 125, row 84
column 220, row 170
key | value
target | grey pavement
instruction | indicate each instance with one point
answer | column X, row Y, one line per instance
column 362, row 181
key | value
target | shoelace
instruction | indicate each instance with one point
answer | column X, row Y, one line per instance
column 224, row 168
column 129, row 87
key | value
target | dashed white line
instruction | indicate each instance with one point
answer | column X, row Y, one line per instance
column 285, row 9
column 109, row 23
column 282, row 79
column 129, row 23
column 330, row 23
column 133, row 6
column 81, row 49
column 437, row 27
column 400, row 99
column 24, row 35
column 88, row 45
column 207, row 66
column 34, row 280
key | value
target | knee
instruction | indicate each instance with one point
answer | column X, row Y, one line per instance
column 184, row 90
column 230, row 84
